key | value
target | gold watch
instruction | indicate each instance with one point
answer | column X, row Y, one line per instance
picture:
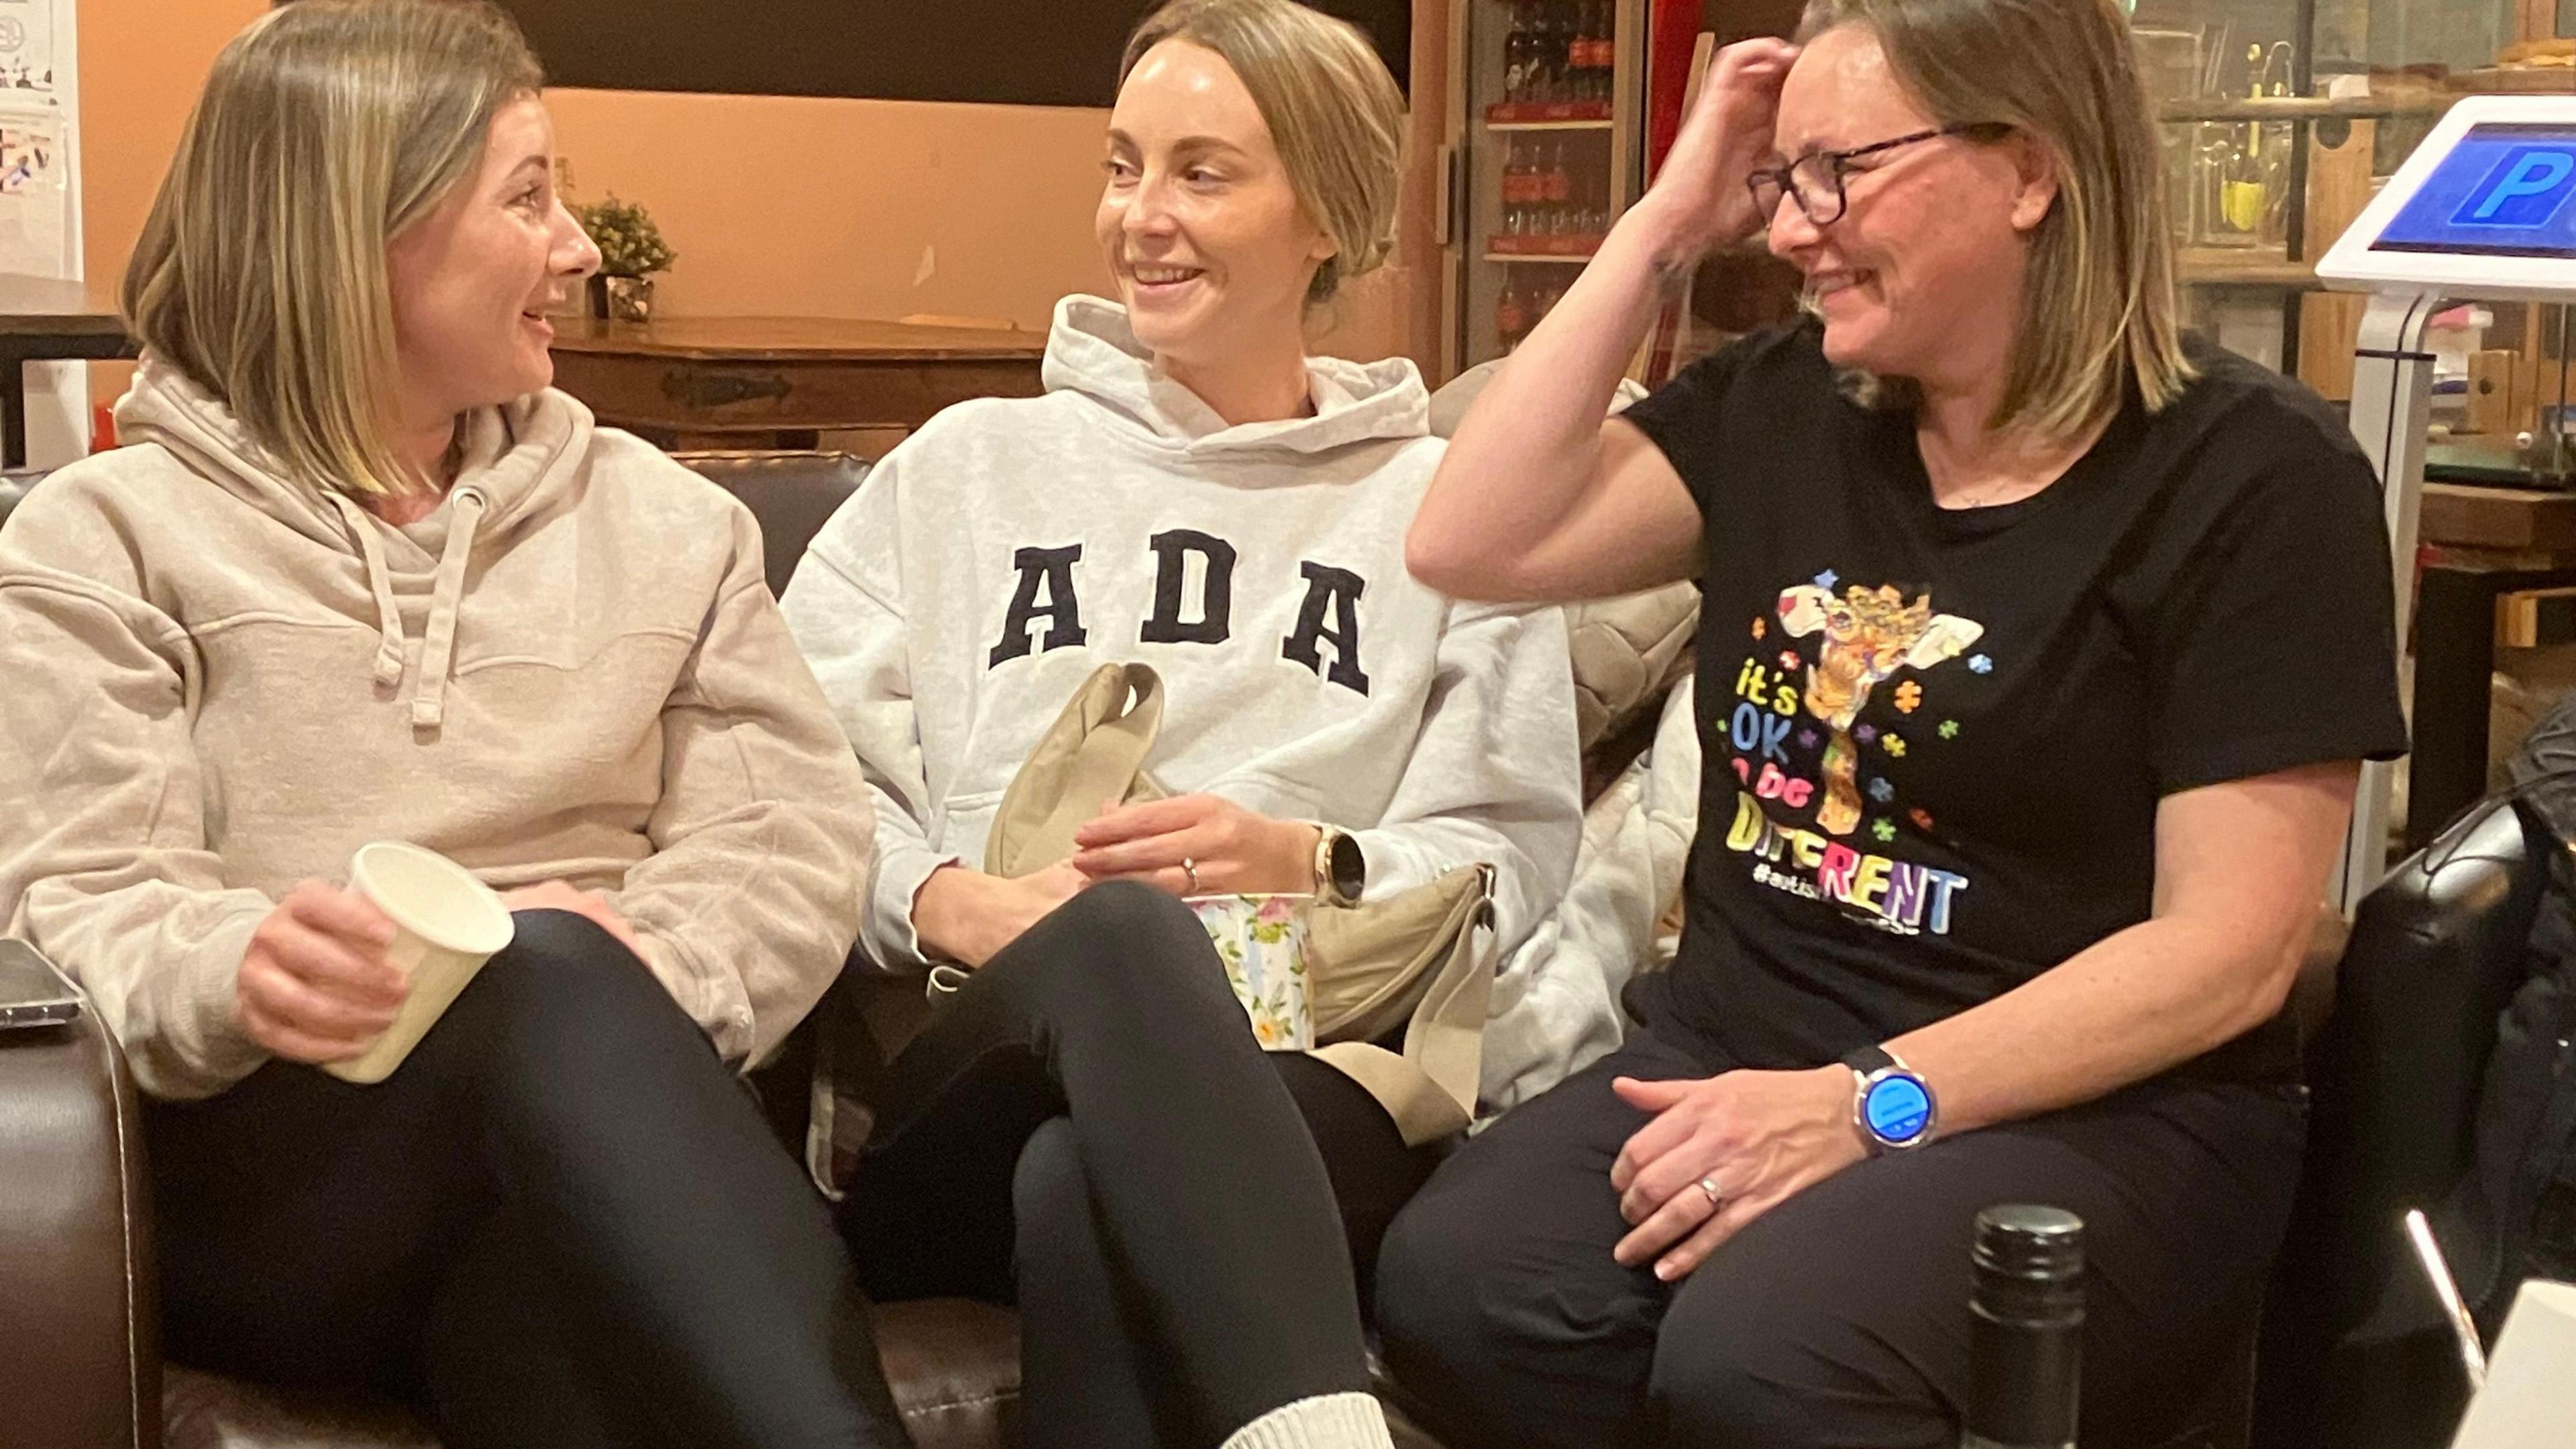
column 1341, row 871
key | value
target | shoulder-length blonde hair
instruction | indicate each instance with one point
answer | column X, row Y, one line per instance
column 2098, row 308
column 1332, row 109
column 327, row 127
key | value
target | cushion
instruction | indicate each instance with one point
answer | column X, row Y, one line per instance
column 1627, row 654
column 791, row 492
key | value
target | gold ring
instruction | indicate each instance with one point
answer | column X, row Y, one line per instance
column 1190, row 868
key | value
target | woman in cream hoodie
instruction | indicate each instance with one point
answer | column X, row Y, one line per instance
column 1088, row 1125
column 364, row 575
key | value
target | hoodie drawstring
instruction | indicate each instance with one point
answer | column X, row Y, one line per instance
column 389, row 659
column 446, row 599
column 438, row 645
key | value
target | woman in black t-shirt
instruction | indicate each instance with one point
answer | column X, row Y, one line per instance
column 2037, row 658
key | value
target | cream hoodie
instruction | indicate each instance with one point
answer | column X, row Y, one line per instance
column 220, row 683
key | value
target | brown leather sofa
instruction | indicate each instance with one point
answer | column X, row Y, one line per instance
column 79, row 1359
column 80, row 1364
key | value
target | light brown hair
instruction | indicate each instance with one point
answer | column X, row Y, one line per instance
column 2098, row 308
column 326, row 128
column 1334, row 113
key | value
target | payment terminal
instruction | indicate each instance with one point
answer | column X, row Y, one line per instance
column 2485, row 209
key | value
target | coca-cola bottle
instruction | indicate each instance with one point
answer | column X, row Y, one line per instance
column 1557, row 193
column 1511, row 313
column 1605, row 52
column 1517, row 51
column 1516, row 171
column 1546, row 60
column 1579, row 59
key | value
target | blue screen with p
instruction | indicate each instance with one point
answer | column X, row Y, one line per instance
column 2505, row 190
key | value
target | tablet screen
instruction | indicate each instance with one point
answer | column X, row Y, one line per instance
column 2506, row 190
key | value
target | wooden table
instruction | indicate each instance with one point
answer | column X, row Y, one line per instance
column 46, row 320
column 744, row 382
column 2480, row 545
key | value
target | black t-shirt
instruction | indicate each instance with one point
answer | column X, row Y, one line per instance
column 1934, row 740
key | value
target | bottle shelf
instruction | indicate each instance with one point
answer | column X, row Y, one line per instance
column 2244, row 267
column 1548, row 115
column 1574, row 250
column 2301, row 108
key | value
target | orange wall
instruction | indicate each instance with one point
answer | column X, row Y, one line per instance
column 843, row 208
column 776, row 205
column 142, row 63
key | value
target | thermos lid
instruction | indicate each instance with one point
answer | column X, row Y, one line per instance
column 2025, row 1240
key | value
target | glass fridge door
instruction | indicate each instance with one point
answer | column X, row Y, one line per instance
column 1545, row 100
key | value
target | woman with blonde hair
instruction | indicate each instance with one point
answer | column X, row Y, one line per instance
column 2038, row 653
column 363, row 575
column 1088, row 1126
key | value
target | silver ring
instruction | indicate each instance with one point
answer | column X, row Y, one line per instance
column 1190, row 868
column 1709, row 1185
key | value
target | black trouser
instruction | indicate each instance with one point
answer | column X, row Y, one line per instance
column 1840, row 1317
column 562, row 1221
column 1088, row 1128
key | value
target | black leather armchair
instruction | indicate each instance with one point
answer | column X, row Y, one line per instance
column 2436, row 952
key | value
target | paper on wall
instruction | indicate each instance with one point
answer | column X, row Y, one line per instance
column 27, row 52
column 40, row 198
column 27, row 56
column 35, row 195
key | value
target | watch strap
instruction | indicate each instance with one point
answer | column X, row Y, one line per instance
column 1871, row 1060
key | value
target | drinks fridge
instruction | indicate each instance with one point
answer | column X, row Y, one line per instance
column 1545, row 141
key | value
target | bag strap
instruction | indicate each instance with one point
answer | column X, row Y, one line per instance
column 1094, row 752
column 1431, row 1089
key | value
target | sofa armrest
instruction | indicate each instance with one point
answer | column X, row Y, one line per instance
column 78, row 1309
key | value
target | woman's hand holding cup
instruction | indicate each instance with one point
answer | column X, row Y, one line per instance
column 314, row 985
column 1700, row 194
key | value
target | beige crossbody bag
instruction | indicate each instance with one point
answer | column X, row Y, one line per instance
column 1423, row 959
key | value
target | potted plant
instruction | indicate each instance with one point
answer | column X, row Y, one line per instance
column 631, row 250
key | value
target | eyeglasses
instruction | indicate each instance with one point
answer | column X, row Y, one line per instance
column 1815, row 180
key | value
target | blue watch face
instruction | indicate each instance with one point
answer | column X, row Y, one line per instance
column 1897, row 1109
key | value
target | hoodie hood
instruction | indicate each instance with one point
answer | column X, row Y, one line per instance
column 519, row 462
column 1092, row 351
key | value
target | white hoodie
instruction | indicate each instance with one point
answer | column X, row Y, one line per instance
column 998, row 556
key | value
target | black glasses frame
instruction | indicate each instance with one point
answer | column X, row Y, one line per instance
column 1770, row 183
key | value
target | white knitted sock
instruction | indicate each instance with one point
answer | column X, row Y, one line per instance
column 1326, row 1421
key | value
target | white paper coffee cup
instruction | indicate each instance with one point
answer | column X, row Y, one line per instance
column 2530, row 1395
column 1262, row 941
column 446, row 925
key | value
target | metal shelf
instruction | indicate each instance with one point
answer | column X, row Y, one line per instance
column 1603, row 125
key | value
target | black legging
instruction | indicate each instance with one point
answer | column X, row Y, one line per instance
column 560, row 1222
column 1089, row 1127
column 1839, row 1319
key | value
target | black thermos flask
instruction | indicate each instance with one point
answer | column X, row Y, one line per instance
column 2028, row 1329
